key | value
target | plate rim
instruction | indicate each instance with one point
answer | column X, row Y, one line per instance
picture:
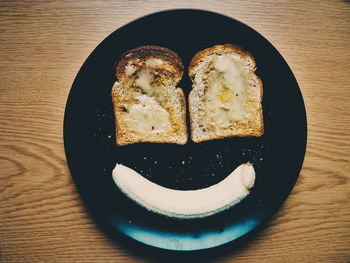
column 282, row 199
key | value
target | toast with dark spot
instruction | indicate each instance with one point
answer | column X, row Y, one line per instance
column 148, row 106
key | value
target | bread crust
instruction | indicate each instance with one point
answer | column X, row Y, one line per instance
column 138, row 56
column 184, row 107
column 192, row 70
column 217, row 49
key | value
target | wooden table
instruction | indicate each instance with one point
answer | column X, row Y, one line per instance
column 43, row 45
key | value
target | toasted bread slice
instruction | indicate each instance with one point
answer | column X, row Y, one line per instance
column 147, row 105
column 226, row 94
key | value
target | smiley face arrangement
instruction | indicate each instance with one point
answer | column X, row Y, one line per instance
column 225, row 101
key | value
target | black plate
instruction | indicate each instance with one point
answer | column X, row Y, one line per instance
column 92, row 154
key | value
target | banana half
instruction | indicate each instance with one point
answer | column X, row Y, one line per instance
column 185, row 204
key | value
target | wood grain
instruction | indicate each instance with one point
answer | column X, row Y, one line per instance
column 44, row 43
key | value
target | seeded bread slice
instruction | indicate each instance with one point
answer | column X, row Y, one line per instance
column 148, row 107
column 226, row 95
